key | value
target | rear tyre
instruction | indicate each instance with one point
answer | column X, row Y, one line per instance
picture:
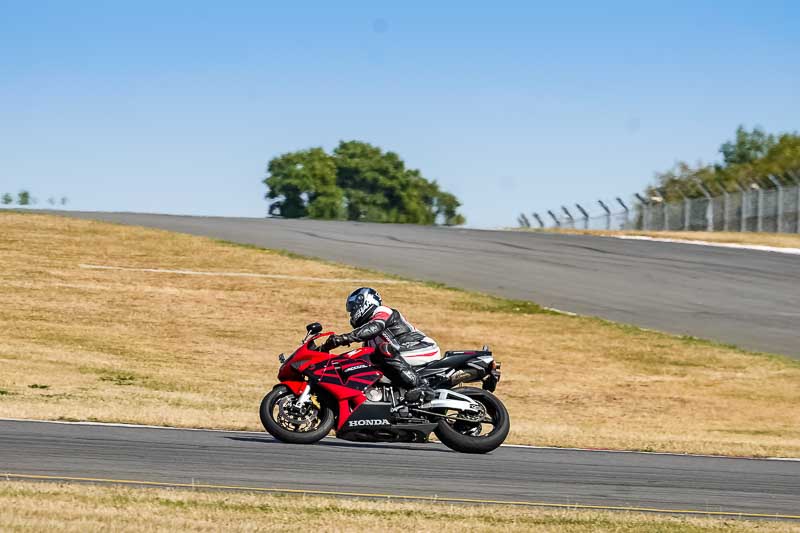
column 465, row 436
column 284, row 421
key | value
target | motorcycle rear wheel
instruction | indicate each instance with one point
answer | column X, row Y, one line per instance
column 322, row 421
column 456, row 435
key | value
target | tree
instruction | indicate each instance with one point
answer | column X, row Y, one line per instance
column 750, row 158
column 24, row 198
column 682, row 181
column 447, row 207
column 358, row 181
column 7, row 199
column 747, row 147
column 304, row 184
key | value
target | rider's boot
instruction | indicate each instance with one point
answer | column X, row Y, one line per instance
column 403, row 374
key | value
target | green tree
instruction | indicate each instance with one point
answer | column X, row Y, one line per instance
column 303, row 183
column 750, row 158
column 358, row 181
column 379, row 188
column 24, row 198
column 748, row 146
column 682, row 181
column 447, row 207
column 781, row 159
column 7, row 199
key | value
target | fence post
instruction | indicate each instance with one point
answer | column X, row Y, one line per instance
column 709, row 207
column 796, row 178
column 539, row 220
column 759, row 208
column 585, row 216
column 725, row 206
column 686, row 207
column 687, row 212
column 664, row 215
column 662, row 201
column 608, row 213
column 627, row 211
column 555, row 218
column 645, row 211
column 743, row 204
column 779, row 210
column 569, row 216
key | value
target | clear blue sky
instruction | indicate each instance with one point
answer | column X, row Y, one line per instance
column 514, row 106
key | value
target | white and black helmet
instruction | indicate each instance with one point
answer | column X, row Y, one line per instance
column 361, row 304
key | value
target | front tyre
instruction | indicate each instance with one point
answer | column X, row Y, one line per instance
column 287, row 422
column 480, row 435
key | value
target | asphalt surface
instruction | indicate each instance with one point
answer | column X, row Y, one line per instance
column 742, row 297
column 510, row 474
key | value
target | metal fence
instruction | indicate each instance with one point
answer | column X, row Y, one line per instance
column 771, row 210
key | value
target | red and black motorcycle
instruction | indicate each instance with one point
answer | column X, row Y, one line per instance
column 320, row 391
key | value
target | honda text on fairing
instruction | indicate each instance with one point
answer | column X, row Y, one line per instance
column 320, row 391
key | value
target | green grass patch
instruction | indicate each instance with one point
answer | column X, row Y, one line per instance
column 492, row 304
column 119, row 379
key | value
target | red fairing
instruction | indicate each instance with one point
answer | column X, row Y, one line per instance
column 301, row 359
column 344, row 377
column 297, row 387
column 358, row 352
column 348, row 399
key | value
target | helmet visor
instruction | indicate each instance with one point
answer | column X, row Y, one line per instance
column 354, row 302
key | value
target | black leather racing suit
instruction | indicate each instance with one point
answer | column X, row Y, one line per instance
column 395, row 339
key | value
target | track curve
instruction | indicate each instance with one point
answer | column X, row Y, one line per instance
column 743, row 297
column 526, row 476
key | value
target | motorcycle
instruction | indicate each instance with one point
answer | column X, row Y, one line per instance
column 320, row 391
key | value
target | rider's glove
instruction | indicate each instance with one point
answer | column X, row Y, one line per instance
column 335, row 341
column 342, row 340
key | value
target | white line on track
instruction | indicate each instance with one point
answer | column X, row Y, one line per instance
column 242, row 275
column 759, row 247
column 524, row 446
column 559, row 311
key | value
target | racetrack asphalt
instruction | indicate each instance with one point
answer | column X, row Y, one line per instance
column 743, row 297
column 534, row 476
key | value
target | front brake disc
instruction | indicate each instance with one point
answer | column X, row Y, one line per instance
column 287, row 411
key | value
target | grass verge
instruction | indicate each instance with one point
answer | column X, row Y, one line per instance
column 780, row 240
column 80, row 508
column 200, row 350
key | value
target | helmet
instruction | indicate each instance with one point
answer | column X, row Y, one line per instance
column 361, row 304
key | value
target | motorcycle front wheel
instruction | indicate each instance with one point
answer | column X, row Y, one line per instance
column 287, row 422
column 480, row 435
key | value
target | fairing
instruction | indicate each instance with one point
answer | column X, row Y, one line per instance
column 344, row 377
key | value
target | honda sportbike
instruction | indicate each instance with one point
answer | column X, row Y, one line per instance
column 319, row 392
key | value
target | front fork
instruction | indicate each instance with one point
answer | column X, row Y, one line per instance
column 304, row 397
column 301, row 390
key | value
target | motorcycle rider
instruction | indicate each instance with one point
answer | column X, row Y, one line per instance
column 394, row 338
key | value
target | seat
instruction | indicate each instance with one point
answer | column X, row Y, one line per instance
column 473, row 353
column 453, row 359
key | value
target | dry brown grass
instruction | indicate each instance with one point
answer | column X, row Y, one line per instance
column 200, row 351
column 57, row 507
column 780, row 240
